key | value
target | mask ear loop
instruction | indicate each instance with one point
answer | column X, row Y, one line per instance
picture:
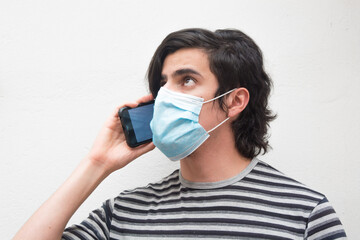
column 213, row 100
column 219, row 96
column 218, row 125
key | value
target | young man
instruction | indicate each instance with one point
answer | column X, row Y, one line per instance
column 211, row 113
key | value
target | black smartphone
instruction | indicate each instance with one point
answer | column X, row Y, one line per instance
column 136, row 123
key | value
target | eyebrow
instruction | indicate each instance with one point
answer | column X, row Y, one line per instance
column 182, row 71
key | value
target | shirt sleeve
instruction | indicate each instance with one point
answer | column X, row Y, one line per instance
column 96, row 226
column 324, row 224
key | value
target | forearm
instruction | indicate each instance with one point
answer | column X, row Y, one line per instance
column 49, row 221
column 109, row 153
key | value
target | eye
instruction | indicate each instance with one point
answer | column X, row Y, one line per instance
column 189, row 82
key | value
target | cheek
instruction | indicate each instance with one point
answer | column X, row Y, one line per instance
column 211, row 115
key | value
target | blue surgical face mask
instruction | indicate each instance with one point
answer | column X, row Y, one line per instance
column 175, row 124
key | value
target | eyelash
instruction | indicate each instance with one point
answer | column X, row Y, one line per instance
column 186, row 78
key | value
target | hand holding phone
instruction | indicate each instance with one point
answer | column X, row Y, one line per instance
column 136, row 123
column 110, row 149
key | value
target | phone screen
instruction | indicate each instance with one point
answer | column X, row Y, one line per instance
column 136, row 123
column 140, row 118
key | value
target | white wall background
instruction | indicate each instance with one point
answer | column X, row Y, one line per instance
column 64, row 66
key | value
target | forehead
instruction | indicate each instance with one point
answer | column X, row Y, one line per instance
column 193, row 58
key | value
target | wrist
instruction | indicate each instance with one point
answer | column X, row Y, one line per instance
column 94, row 168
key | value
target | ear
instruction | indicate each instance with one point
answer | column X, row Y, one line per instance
column 237, row 101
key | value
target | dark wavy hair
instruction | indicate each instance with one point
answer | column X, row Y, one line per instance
column 236, row 61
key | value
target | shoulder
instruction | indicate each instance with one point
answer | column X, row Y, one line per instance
column 266, row 177
column 321, row 218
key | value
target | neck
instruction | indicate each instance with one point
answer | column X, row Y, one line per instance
column 217, row 159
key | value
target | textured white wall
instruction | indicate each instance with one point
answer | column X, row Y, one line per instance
column 64, row 66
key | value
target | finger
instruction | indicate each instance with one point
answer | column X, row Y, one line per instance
column 114, row 120
column 145, row 98
column 140, row 150
column 129, row 104
column 115, row 114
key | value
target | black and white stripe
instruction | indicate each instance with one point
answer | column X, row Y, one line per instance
column 259, row 203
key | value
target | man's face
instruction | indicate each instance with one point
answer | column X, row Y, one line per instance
column 188, row 71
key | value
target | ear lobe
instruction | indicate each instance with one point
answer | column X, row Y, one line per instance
column 237, row 101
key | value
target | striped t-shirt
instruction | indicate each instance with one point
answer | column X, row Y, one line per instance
column 259, row 203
